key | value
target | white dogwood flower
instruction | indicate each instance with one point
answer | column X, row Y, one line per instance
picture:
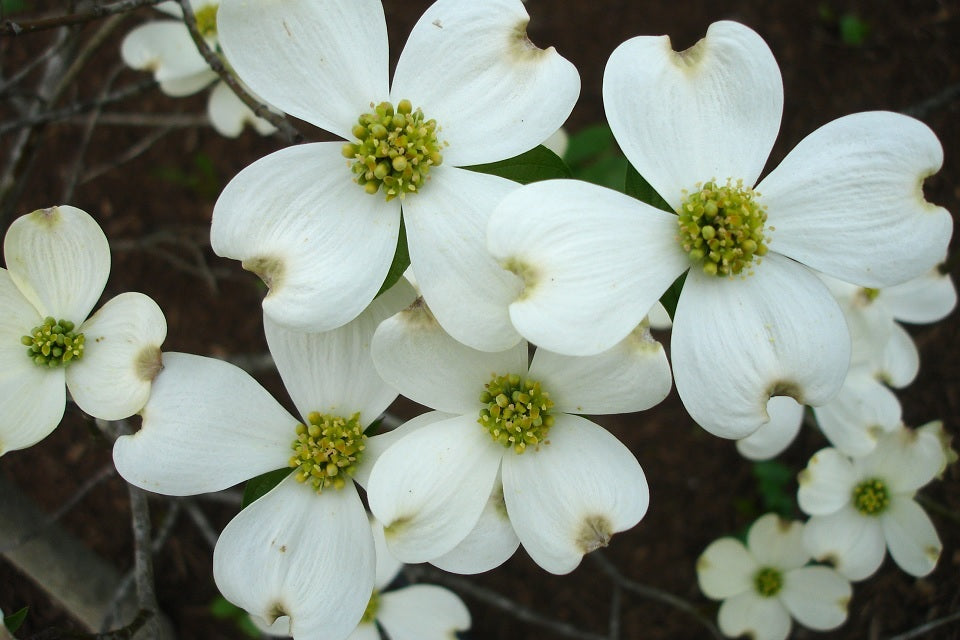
column 209, row 425
column 166, row 48
column 319, row 223
column 504, row 459
column 417, row 611
column 753, row 320
column 767, row 582
column 860, row 507
column 58, row 261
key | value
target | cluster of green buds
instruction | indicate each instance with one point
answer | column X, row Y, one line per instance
column 722, row 227
column 768, row 582
column 871, row 497
column 53, row 343
column 206, row 18
column 327, row 450
column 394, row 150
column 517, row 412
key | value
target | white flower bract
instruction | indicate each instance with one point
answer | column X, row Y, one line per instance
column 321, row 242
column 58, row 261
column 766, row 582
column 840, row 203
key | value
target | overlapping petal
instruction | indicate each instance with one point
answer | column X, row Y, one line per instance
column 710, row 112
column 827, row 483
column 422, row 612
column 852, row 542
column 121, row 357
column 332, row 372
column 166, row 48
column 848, row 200
column 449, row 376
column 569, row 496
column 817, row 597
column 775, row 542
column 32, row 398
column 565, row 237
column 906, row 459
column 775, row 332
column 471, row 66
column 228, row 114
column 207, row 426
column 911, row 537
column 631, row 376
column 863, row 411
column 927, row 298
column 430, row 488
column 59, row 258
column 491, row 542
column 748, row 613
column 725, row 568
column 786, row 416
column 312, row 556
column 323, row 62
column 466, row 289
column 321, row 244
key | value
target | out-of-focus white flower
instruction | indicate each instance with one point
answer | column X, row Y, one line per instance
column 753, row 320
column 766, row 582
column 558, row 142
column 321, row 229
column 166, row 48
column 860, row 507
column 58, row 261
column 304, row 549
column 504, row 459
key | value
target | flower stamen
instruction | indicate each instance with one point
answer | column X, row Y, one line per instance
column 722, row 227
column 768, row 582
column 517, row 412
column 395, row 149
column 54, row 343
column 871, row 497
column 327, row 450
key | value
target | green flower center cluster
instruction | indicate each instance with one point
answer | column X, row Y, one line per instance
column 768, row 582
column 517, row 412
column 54, row 343
column 722, row 227
column 394, row 150
column 370, row 613
column 327, row 450
column 871, row 497
column 206, row 19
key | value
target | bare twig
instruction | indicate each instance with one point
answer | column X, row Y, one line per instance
column 216, row 63
column 518, row 611
column 615, row 603
column 133, row 152
column 922, row 630
column 22, row 27
column 938, row 101
column 71, row 502
column 124, row 633
column 653, row 593
column 143, row 557
column 152, row 120
column 200, row 520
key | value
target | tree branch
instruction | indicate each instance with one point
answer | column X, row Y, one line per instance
column 22, row 27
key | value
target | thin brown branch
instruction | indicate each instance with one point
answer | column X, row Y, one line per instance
column 216, row 63
column 21, row 27
column 924, row 629
column 653, row 593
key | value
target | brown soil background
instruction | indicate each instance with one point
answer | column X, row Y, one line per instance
column 700, row 488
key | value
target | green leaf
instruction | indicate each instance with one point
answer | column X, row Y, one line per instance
column 258, row 487
column 13, row 621
column 401, row 260
column 773, row 479
column 246, row 626
column 223, row 609
column 853, row 30
column 533, row 166
column 588, row 143
column 636, row 186
column 671, row 296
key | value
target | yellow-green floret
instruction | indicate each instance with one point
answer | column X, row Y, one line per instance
column 395, row 149
column 517, row 414
column 327, row 450
column 871, row 497
column 722, row 227
column 54, row 343
column 768, row 582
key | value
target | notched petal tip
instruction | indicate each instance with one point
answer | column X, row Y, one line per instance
column 268, row 268
column 520, row 44
column 595, row 532
column 50, row 216
column 149, row 363
column 689, row 58
column 784, row 388
column 528, row 274
column 419, row 315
